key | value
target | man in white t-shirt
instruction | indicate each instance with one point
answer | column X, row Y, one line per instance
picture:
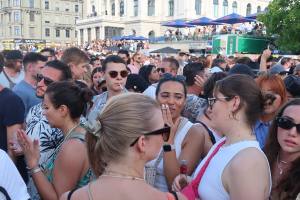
column 11, row 182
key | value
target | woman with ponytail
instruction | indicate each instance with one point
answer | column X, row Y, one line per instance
column 64, row 103
column 127, row 134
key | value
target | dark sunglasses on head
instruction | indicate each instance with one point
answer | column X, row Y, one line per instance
column 162, row 70
column 114, row 74
column 171, row 77
column 287, row 124
column 165, row 132
column 47, row 81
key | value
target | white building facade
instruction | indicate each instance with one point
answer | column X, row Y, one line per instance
column 108, row 18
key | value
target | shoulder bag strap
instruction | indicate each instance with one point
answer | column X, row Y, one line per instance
column 11, row 83
column 195, row 183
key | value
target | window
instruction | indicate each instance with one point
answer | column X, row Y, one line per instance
column 8, row 3
column 122, row 11
column 81, row 36
column 76, row 8
column 67, row 33
column 57, row 33
column 135, row 7
column 89, row 34
column 17, row 16
column 47, row 22
column 47, row 5
column 216, row 8
column 67, row 9
column 31, row 31
column 47, row 32
column 16, row 2
column 97, row 30
column 258, row 9
column 17, row 31
column 171, row 7
column 248, row 11
column 234, row 7
column 31, row 16
column 76, row 34
column 225, row 7
column 151, row 7
column 9, row 17
column 56, row 8
column 113, row 9
column 31, row 3
column 198, row 7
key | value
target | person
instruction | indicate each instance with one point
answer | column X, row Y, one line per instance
column 115, row 75
column 12, row 185
column 128, row 132
column 218, row 65
column 137, row 63
column 149, row 73
column 49, row 53
column 96, row 76
column 33, row 63
column 12, row 72
column 186, row 140
column 283, row 151
column 168, row 65
column 274, row 88
column 234, row 109
column 78, row 61
column 64, row 103
column 292, row 85
column 124, row 54
column 136, row 83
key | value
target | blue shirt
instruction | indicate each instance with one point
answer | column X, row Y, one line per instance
column 27, row 93
column 261, row 130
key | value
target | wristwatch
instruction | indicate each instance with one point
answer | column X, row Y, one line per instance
column 168, row 147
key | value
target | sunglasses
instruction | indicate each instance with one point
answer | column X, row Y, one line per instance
column 287, row 124
column 114, row 74
column 212, row 101
column 47, row 81
column 165, row 132
column 162, row 70
column 168, row 76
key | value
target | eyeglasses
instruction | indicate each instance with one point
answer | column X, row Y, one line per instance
column 165, row 132
column 287, row 124
column 114, row 74
column 162, row 70
column 212, row 101
column 47, row 81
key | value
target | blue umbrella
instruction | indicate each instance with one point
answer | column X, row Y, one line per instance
column 254, row 16
column 233, row 19
column 140, row 38
column 203, row 21
column 177, row 24
column 116, row 38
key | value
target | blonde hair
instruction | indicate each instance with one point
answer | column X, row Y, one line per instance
column 124, row 118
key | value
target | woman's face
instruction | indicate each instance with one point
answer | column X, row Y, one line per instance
column 172, row 94
column 289, row 139
column 154, row 75
column 271, row 107
column 96, row 78
column 51, row 113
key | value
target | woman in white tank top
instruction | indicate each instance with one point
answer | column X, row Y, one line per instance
column 239, row 169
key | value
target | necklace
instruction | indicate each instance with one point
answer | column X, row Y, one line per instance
column 279, row 165
column 122, row 176
column 68, row 135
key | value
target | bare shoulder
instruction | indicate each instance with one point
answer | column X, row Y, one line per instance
column 196, row 132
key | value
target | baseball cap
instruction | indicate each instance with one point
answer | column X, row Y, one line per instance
column 292, row 85
column 278, row 69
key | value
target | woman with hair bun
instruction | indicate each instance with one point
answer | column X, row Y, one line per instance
column 68, row 168
column 127, row 134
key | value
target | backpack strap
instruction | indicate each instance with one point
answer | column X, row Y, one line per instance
column 210, row 133
column 4, row 192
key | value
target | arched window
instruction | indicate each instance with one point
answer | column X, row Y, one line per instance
column 171, row 7
column 258, row 9
column 113, row 9
column 151, row 7
column 248, row 11
column 198, row 7
column 122, row 8
column 225, row 7
column 135, row 7
column 216, row 8
column 234, row 7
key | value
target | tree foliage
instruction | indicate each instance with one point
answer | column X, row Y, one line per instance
column 283, row 21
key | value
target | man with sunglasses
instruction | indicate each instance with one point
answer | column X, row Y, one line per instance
column 168, row 65
column 115, row 75
column 33, row 63
column 12, row 71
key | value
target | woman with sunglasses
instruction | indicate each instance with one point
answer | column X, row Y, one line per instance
column 68, row 167
column 115, row 75
column 126, row 134
column 274, row 90
column 283, row 152
column 235, row 167
column 186, row 140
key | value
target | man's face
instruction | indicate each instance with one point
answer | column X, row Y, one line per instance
column 36, row 68
column 46, row 77
column 166, row 69
column 97, row 63
column 124, row 57
column 115, row 76
column 48, row 55
column 138, row 58
column 18, row 63
column 79, row 70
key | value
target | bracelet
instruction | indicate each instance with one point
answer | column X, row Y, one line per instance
column 34, row 170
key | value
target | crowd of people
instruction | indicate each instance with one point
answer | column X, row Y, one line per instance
column 84, row 123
